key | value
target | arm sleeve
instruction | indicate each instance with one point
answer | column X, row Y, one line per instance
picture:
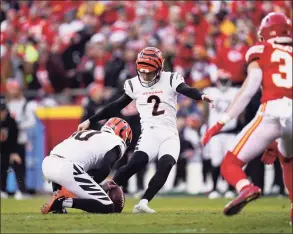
column 103, row 170
column 247, row 91
column 188, row 91
column 111, row 109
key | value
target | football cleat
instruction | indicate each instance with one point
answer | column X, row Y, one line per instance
column 67, row 193
column 142, row 208
column 55, row 204
column 248, row 194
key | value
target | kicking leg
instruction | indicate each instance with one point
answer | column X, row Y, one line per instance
column 145, row 150
column 137, row 162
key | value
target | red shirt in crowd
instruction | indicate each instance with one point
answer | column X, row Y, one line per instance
column 232, row 60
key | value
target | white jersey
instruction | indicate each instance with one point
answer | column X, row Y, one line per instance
column 23, row 113
column 222, row 102
column 87, row 148
column 157, row 105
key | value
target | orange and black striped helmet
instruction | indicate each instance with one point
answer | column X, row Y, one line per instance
column 148, row 60
column 120, row 128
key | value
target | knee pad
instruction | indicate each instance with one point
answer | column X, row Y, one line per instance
column 166, row 162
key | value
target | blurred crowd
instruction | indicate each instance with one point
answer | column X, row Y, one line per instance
column 52, row 47
column 81, row 52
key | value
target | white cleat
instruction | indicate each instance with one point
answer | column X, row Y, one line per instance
column 142, row 208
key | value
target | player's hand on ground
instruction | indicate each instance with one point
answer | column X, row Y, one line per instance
column 208, row 99
column 14, row 157
column 108, row 185
column 211, row 132
column 84, row 125
column 271, row 153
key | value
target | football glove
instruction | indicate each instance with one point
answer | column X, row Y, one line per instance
column 211, row 132
column 271, row 153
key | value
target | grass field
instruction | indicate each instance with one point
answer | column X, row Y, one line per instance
column 174, row 215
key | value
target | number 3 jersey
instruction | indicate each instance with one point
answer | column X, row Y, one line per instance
column 87, row 148
column 157, row 104
column 275, row 61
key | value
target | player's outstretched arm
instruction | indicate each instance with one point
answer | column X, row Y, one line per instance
column 245, row 94
column 108, row 111
column 192, row 93
column 247, row 91
column 100, row 173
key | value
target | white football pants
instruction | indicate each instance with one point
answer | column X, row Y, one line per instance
column 71, row 176
column 158, row 141
column 272, row 122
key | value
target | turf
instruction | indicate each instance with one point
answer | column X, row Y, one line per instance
column 174, row 215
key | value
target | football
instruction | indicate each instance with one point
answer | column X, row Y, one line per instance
column 117, row 196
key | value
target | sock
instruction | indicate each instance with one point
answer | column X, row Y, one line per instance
column 165, row 165
column 144, row 201
column 242, row 184
column 92, row 206
column 231, row 170
column 67, row 203
column 137, row 162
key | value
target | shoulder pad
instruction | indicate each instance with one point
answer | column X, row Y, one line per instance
column 256, row 51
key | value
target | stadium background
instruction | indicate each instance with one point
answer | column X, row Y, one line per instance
column 70, row 58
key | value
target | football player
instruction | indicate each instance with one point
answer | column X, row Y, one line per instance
column 70, row 161
column 269, row 66
column 155, row 92
column 224, row 94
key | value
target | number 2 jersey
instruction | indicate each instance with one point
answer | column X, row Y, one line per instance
column 87, row 148
column 275, row 61
column 157, row 104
